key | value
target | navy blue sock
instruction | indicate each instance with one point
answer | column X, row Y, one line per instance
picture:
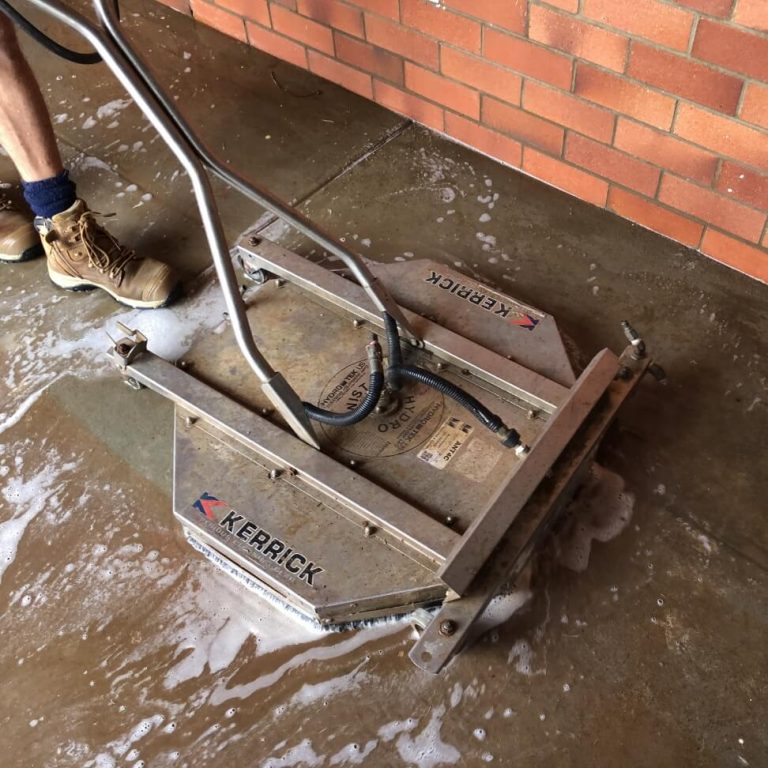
column 50, row 196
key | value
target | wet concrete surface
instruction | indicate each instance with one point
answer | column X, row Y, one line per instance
column 121, row 646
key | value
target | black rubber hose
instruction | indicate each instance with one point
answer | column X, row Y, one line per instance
column 397, row 371
column 367, row 404
column 354, row 416
column 395, row 354
column 65, row 53
column 449, row 389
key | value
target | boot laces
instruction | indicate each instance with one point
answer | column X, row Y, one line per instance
column 110, row 261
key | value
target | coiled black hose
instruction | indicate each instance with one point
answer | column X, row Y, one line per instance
column 397, row 371
column 367, row 404
column 449, row 389
column 65, row 53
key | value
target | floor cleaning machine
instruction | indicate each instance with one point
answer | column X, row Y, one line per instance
column 401, row 439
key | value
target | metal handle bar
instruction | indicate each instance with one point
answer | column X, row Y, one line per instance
column 108, row 15
column 280, row 394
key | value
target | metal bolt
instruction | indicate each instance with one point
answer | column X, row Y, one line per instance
column 183, row 364
column 450, row 519
column 369, row 530
column 352, row 463
column 189, row 421
column 357, row 322
column 465, row 372
column 266, row 411
column 624, row 373
column 275, row 473
column 532, row 414
column 657, row 372
column 281, row 282
column 253, row 240
column 123, row 348
column 447, row 627
column 441, row 366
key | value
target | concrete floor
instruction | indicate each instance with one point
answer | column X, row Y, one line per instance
column 122, row 647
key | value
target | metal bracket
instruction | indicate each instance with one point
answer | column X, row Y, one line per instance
column 129, row 347
column 451, row 626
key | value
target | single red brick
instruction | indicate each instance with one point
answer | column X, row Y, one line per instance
column 352, row 79
column 277, row 45
column 441, row 23
column 412, row 45
column 369, row 58
column 578, row 38
column 722, row 135
column 745, row 258
column 732, row 48
column 304, row 30
column 484, row 140
column 255, row 10
column 219, row 19
column 612, row 164
column 409, row 105
column 576, row 182
column 682, row 77
column 744, row 184
column 663, row 24
column 754, row 108
column 182, row 6
column 752, row 13
column 523, row 125
column 720, row 8
column 665, row 151
column 572, row 6
column 480, row 74
column 390, row 8
column 652, row 216
column 624, row 96
column 334, row 14
column 435, row 87
column 509, row 14
column 712, row 208
column 527, row 58
column 569, row 111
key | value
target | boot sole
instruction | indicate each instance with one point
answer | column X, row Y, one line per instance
column 76, row 284
column 31, row 253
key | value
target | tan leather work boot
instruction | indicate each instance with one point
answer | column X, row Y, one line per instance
column 18, row 239
column 82, row 255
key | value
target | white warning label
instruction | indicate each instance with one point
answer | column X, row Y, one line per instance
column 445, row 443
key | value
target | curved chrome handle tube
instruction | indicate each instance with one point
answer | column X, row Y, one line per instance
column 280, row 394
column 375, row 290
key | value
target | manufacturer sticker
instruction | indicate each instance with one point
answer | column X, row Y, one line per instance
column 405, row 428
column 480, row 296
column 445, row 443
column 257, row 539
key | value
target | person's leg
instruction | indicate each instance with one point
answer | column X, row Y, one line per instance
column 80, row 253
column 26, row 133
column 27, row 136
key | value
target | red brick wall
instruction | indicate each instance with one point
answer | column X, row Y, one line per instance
column 654, row 109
